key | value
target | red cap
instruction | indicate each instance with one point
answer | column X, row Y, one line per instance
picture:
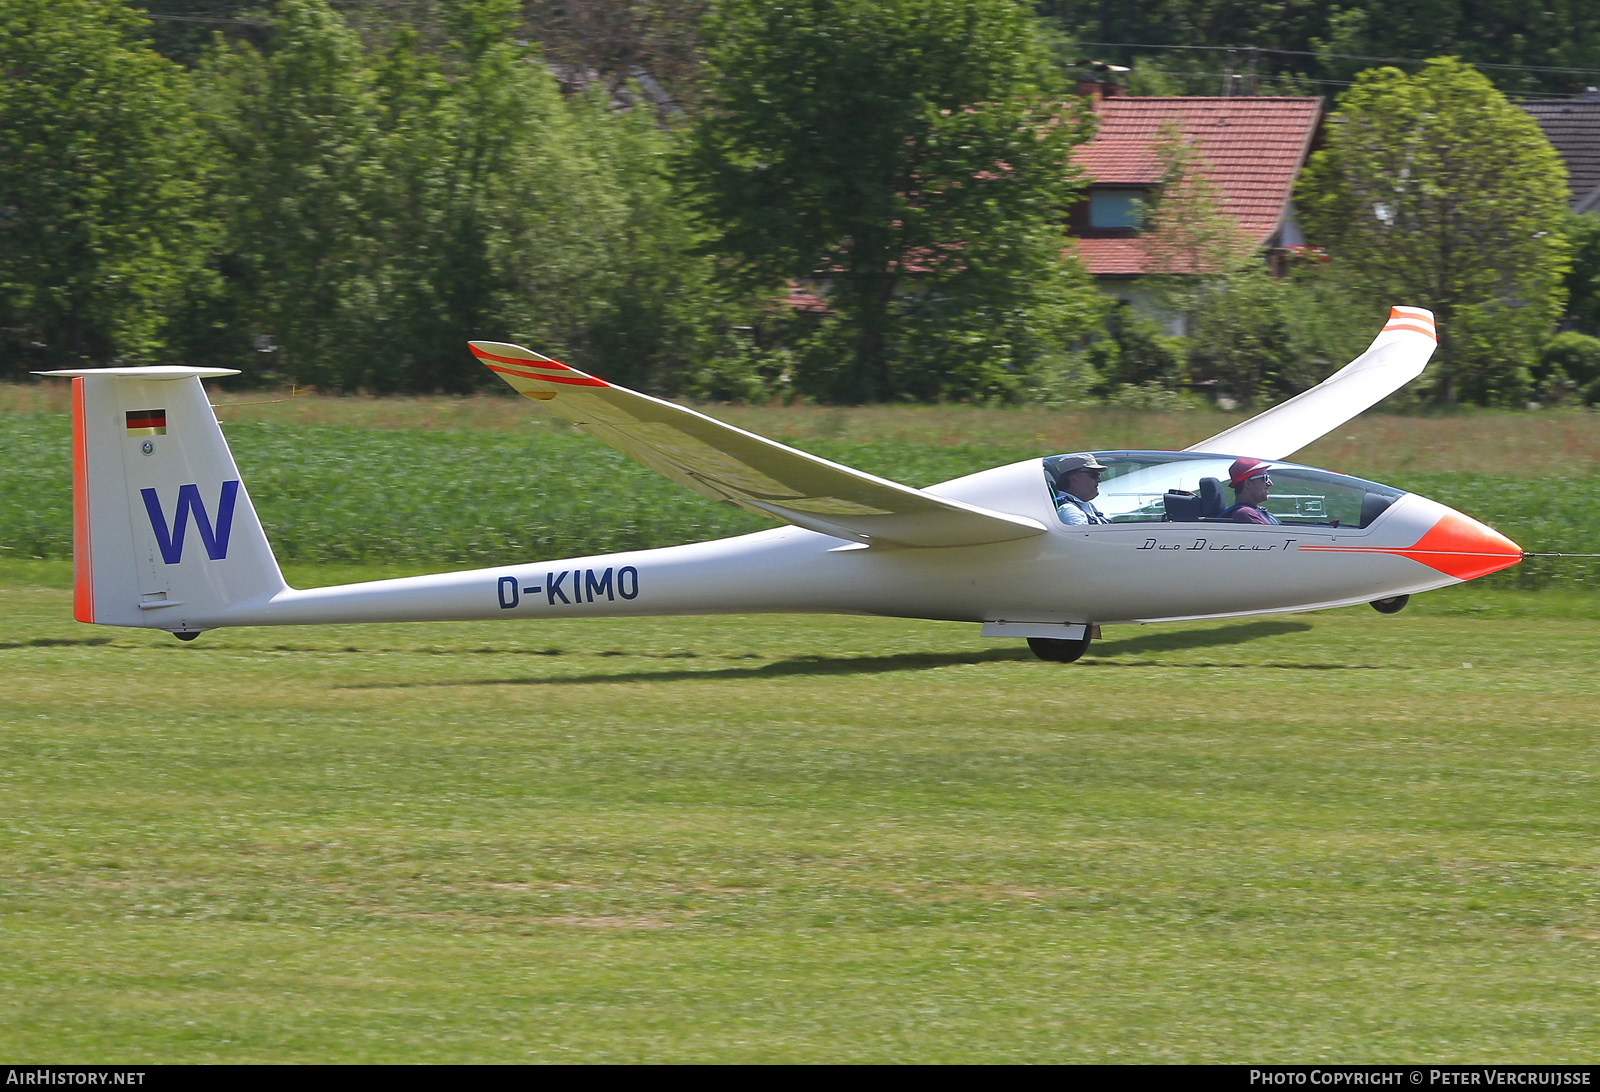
column 1243, row 470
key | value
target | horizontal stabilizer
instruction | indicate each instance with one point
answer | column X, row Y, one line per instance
column 1396, row 356
column 746, row 470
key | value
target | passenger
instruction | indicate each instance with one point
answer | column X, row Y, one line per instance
column 1250, row 483
column 1079, row 476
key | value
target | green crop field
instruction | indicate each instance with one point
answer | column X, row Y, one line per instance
column 1338, row 837
column 416, row 484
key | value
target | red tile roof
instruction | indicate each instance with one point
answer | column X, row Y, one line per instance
column 1253, row 149
column 1111, row 257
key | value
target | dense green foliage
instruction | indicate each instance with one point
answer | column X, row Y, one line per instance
column 1261, row 338
column 912, row 156
column 1434, row 188
column 367, row 211
column 425, row 198
column 1569, row 365
column 1583, row 279
column 340, row 194
column 102, row 174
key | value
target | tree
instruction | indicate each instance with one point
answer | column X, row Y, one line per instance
column 1439, row 192
column 1583, row 280
column 299, row 128
column 656, row 311
column 884, row 144
column 581, row 243
column 102, row 174
column 384, row 209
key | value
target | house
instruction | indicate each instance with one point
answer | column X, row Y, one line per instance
column 1572, row 126
column 1249, row 150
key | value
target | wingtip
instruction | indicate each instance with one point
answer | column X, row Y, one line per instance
column 515, row 361
column 1415, row 319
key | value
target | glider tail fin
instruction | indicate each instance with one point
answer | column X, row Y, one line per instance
column 163, row 532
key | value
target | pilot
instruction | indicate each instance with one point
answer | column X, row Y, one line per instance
column 1079, row 476
column 1250, row 482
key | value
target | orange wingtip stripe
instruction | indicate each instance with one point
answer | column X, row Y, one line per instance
column 542, row 362
column 572, row 380
column 1429, row 330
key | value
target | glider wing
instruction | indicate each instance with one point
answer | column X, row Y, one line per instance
column 1396, row 357
column 746, row 470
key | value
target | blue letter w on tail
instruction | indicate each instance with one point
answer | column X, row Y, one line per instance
column 213, row 536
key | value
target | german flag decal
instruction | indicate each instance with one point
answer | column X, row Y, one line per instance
column 147, row 422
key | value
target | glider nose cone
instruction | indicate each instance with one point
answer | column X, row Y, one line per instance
column 1461, row 547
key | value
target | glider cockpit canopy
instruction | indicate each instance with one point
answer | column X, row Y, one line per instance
column 1192, row 486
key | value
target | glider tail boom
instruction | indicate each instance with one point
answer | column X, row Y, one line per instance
column 163, row 529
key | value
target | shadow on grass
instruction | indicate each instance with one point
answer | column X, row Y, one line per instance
column 920, row 661
column 1099, row 653
column 1174, row 641
column 801, row 665
column 56, row 642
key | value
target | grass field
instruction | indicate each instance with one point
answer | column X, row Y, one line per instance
column 1338, row 837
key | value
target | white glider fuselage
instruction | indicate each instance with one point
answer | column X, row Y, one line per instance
column 1120, row 572
column 166, row 537
column 1132, row 572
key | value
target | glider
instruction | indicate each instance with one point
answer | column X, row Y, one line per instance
column 165, row 535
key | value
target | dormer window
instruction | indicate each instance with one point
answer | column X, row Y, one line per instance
column 1113, row 209
column 1109, row 212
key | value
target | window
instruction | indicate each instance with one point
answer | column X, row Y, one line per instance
column 1110, row 209
column 1136, row 484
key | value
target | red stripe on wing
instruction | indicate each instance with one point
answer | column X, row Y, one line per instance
column 575, row 380
column 1429, row 330
column 544, row 362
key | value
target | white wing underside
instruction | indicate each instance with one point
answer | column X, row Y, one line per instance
column 1396, row 356
column 759, row 475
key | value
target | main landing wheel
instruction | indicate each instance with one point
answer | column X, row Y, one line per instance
column 1392, row 605
column 1058, row 651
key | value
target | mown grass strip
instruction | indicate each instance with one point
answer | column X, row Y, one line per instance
column 1340, row 836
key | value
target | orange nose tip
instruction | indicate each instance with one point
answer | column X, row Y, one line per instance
column 1462, row 547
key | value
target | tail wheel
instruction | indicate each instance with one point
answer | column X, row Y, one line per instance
column 1058, row 651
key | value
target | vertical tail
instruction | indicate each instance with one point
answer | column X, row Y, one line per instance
column 163, row 532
